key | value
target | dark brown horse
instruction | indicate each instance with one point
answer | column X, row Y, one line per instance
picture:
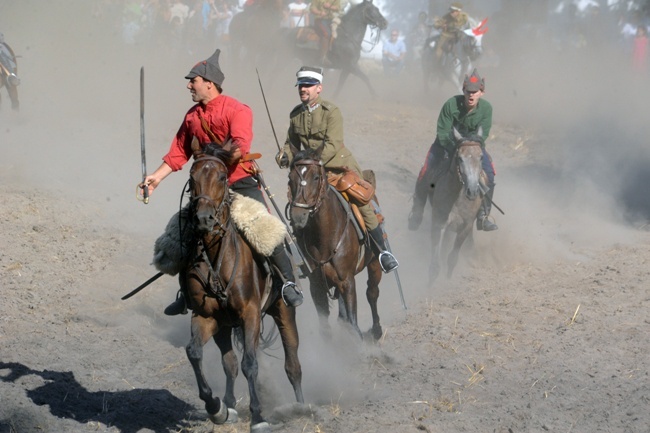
column 226, row 283
column 456, row 199
column 345, row 49
column 328, row 239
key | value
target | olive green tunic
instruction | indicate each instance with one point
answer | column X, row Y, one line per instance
column 308, row 129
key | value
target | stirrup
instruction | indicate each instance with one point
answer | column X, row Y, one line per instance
column 391, row 262
column 293, row 297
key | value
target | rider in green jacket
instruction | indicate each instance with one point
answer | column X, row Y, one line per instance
column 467, row 113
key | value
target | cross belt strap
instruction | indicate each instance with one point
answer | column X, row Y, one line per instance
column 245, row 158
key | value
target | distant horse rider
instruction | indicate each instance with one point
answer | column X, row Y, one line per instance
column 324, row 11
column 315, row 122
column 219, row 118
column 450, row 25
column 467, row 113
column 8, row 68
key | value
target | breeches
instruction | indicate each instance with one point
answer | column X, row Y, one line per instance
column 369, row 217
column 323, row 28
column 250, row 188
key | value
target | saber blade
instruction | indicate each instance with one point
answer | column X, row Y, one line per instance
column 145, row 189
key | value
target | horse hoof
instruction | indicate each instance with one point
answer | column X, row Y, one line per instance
column 261, row 427
column 225, row 415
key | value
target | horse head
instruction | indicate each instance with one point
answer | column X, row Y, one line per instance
column 208, row 185
column 468, row 161
column 307, row 186
column 372, row 16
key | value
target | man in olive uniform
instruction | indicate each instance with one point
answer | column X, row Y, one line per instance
column 467, row 113
column 449, row 25
column 316, row 121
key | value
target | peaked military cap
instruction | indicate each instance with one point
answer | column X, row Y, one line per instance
column 309, row 75
column 474, row 82
column 208, row 69
column 456, row 6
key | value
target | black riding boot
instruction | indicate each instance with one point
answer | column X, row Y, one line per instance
column 482, row 221
column 179, row 306
column 387, row 260
column 285, row 282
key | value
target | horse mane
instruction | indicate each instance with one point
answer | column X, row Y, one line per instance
column 224, row 152
column 306, row 154
column 472, row 138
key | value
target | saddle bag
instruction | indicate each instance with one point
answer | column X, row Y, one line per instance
column 358, row 190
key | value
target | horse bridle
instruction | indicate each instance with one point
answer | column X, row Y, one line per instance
column 322, row 185
column 218, row 209
column 466, row 143
column 213, row 279
column 372, row 25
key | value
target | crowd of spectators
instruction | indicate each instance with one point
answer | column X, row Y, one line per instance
column 183, row 25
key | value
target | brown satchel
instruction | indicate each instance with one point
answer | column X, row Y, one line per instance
column 359, row 191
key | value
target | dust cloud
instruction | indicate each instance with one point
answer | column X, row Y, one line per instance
column 578, row 181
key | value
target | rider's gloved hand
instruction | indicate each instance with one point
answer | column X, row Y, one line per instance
column 282, row 159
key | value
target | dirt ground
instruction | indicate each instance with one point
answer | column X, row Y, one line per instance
column 543, row 327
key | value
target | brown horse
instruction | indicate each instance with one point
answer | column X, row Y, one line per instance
column 327, row 237
column 456, row 199
column 226, row 283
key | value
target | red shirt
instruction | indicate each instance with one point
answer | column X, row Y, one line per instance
column 228, row 118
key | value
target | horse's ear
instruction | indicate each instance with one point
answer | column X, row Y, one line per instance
column 457, row 135
column 319, row 149
column 294, row 150
column 196, row 147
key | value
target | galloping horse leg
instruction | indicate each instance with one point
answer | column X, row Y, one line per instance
column 251, row 326
column 452, row 259
column 343, row 76
column 13, row 95
column 436, row 240
column 356, row 70
column 223, row 339
column 318, row 289
column 285, row 320
column 202, row 329
column 372, row 294
column 348, row 293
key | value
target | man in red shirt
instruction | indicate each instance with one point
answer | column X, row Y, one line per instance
column 228, row 119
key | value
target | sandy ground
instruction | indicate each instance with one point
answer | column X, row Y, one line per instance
column 543, row 327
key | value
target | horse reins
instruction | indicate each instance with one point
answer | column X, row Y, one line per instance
column 466, row 143
column 322, row 184
column 322, row 188
column 213, row 279
column 373, row 44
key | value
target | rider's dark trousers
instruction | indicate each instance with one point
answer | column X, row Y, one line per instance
column 438, row 155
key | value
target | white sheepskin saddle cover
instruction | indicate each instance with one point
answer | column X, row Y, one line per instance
column 263, row 231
